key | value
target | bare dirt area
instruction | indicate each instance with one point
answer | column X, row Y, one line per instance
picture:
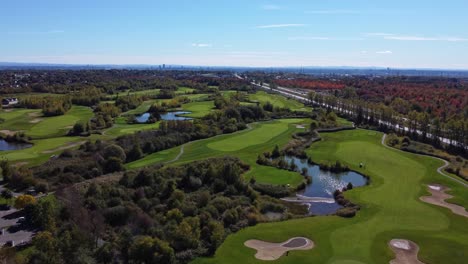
column 8, row 132
column 273, row 251
column 64, row 147
column 35, row 120
column 406, row 252
column 438, row 198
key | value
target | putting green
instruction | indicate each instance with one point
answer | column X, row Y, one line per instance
column 254, row 137
column 390, row 208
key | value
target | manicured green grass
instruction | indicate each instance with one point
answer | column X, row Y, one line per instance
column 60, row 125
column 37, row 126
column 390, row 209
column 121, row 127
column 184, row 90
column 162, row 156
column 279, row 133
column 37, row 153
column 254, row 137
column 278, row 101
column 198, row 109
column 18, row 119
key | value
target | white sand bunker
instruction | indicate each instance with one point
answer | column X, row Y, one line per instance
column 406, row 252
column 273, row 251
column 300, row 126
column 435, row 187
column 438, row 198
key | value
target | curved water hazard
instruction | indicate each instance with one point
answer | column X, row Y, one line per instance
column 5, row 145
column 318, row 195
column 143, row 118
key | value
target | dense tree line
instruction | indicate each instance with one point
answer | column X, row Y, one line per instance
column 155, row 215
column 50, row 105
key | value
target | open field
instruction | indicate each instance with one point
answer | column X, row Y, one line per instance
column 390, row 209
column 278, row 101
column 250, row 143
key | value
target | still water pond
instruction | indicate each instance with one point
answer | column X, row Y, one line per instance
column 4, row 145
column 166, row 116
column 324, row 183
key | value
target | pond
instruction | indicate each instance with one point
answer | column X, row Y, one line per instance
column 323, row 184
column 5, row 145
column 166, row 116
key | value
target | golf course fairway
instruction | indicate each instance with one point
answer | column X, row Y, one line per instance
column 390, row 208
column 246, row 145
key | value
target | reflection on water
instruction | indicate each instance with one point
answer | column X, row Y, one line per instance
column 4, row 145
column 324, row 183
column 166, row 116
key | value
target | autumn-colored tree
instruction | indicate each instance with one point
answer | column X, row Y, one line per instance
column 24, row 200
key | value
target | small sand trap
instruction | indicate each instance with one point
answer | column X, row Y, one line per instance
column 300, row 126
column 433, row 187
column 406, row 252
column 438, row 198
column 8, row 132
column 273, row 251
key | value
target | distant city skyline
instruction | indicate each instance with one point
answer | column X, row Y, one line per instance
column 356, row 33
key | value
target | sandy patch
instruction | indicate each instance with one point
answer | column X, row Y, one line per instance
column 438, row 198
column 300, row 126
column 406, row 252
column 35, row 120
column 8, row 132
column 273, row 251
column 67, row 146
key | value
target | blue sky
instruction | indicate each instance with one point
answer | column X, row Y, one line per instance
column 396, row 33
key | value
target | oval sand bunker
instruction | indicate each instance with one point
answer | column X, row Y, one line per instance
column 273, row 251
column 406, row 252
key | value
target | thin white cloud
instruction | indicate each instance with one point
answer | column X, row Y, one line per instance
column 420, row 38
column 280, row 25
column 202, row 45
column 384, row 52
column 271, row 7
column 363, row 51
column 331, row 12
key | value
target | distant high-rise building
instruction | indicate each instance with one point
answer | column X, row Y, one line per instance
column 164, row 66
